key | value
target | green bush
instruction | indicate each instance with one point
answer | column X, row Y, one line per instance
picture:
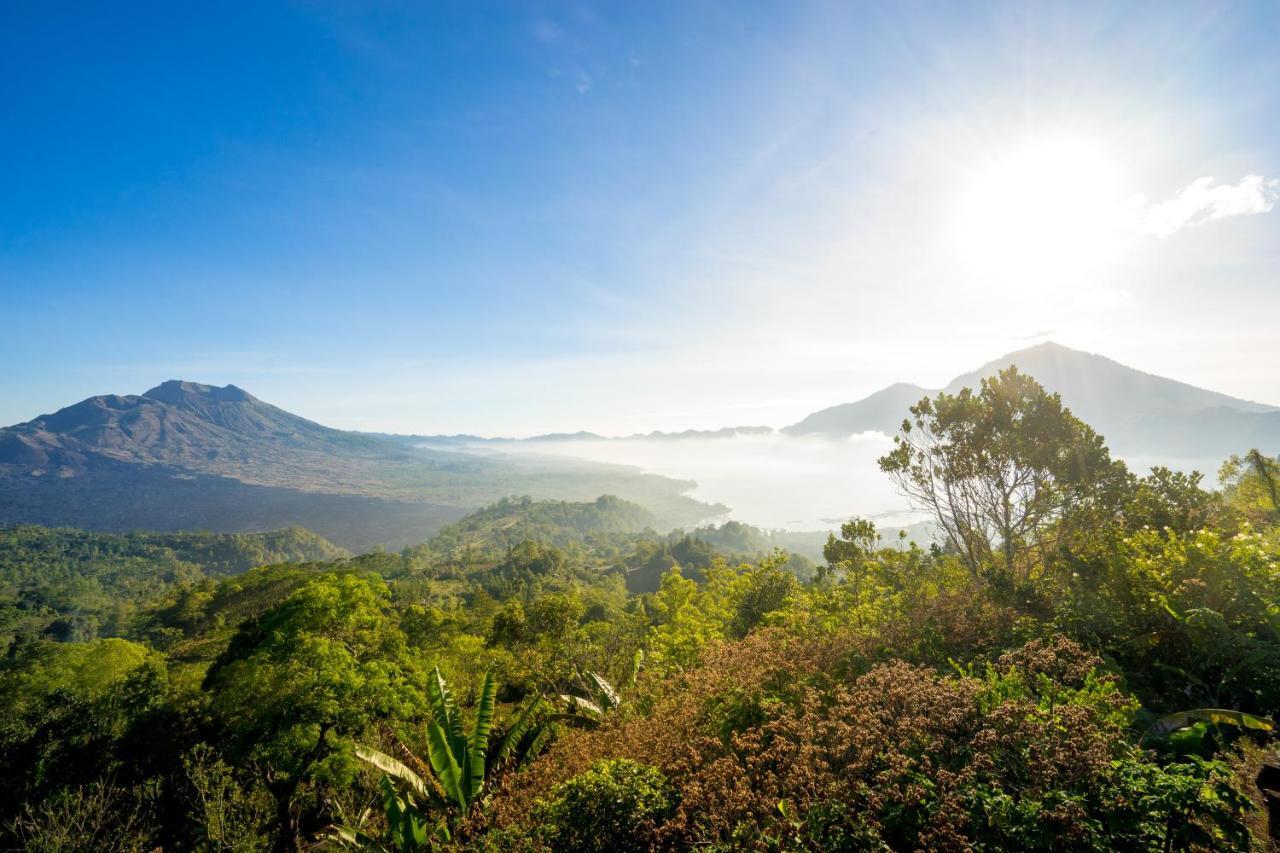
column 607, row 807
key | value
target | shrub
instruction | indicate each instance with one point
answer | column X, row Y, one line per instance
column 769, row 747
column 611, row 807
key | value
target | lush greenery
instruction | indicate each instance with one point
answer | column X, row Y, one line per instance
column 1089, row 659
column 76, row 585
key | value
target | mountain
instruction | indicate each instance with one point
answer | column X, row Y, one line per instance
column 1137, row 412
column 190, row 456
column 882, row 412
column 204, row 429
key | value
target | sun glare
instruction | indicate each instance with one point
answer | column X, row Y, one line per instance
column 1043, row 213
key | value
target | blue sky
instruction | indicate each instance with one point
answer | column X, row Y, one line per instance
column 511, row 218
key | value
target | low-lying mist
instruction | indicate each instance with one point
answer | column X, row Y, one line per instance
column 774, row 481
column 778, row 481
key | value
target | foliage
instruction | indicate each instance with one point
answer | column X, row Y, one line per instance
column 230, row 812
column 1032, row 752
column 1088, row 660
column 612, row 806
column 100, row 815
column 295, row 683
column 461, row 761
column 1252, row 485
column 1006, row 472
column 76, row 585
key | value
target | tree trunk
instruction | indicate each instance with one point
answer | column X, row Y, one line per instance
column 287, row 835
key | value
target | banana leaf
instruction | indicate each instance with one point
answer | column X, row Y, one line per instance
column 395, row 769
column 1215, row 716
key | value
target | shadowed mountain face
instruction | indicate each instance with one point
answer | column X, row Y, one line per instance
column 1136, row 412
column 185, row 455
column 223, row 431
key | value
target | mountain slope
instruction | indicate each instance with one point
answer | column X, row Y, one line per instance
column 882, row 411
column 220, row 431
column 190, row 456
column 1137, row 412
column 1095, row 385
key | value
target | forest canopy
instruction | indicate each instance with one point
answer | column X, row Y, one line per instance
column 1087, row 658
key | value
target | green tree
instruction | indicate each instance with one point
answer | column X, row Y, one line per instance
column 1007, row 473
column 1251, row 483
column 298, row 682
column 605, row 808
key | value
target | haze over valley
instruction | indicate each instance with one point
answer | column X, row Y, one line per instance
column 818, row 472
column 190, row 456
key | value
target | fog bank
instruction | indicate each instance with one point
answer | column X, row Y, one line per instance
column 778, row 481
column 773, row 481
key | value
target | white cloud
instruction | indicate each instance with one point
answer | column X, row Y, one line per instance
column 1202, row 201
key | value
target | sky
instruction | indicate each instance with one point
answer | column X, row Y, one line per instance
column 509, row 218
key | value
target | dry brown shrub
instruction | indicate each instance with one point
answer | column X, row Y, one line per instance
column 898, row 749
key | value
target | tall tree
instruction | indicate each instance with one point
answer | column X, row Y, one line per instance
column 1006, row 472
column 296, row 684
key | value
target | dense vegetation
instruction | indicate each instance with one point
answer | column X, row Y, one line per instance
column 75, row 585
column 1089, row 659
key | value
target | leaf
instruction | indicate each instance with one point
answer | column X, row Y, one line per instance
column 637, row 663
column 443, row 707
column 395, row 769
column 484, row 711
column 577, row 703
column 523, row 722
column 445, row 711
column 1214, row 716
column 480, row 736
column 404, row 820
column 445, row 764
column 349, row 837
column 537, row 744
column 579, row 721
column 605, row 690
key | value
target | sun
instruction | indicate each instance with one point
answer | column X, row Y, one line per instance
column 1041, row 213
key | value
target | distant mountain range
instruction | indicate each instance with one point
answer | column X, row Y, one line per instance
column 1137, row 413
column 186, row 456
column 191, row 456
column 465, row 439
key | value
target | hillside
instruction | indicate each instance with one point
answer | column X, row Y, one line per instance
column 225, row 432
column 558, row 523
column 74, row 584
column 187, row 456
column 1137, row 412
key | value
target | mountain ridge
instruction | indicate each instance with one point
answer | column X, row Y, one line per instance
column 1133, row 409
column 184, row 455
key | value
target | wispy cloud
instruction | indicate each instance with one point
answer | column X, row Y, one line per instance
column 546, row 31
column 1202, row 201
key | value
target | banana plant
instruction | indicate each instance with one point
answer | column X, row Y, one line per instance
column 459, row 764
column 405, row 807
column 458, row 756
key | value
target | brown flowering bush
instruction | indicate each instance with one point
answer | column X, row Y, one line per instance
column 776, row 743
